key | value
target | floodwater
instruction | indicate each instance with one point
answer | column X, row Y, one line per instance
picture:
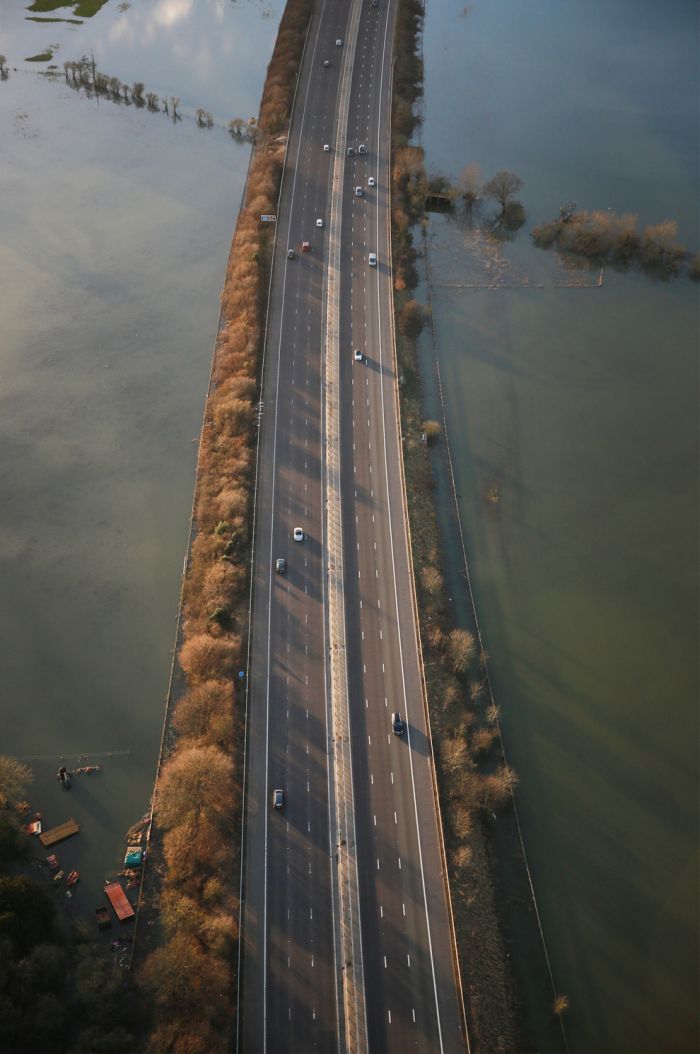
column 116, row 225
column 577, row 405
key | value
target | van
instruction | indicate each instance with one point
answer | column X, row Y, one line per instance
column 373, row 259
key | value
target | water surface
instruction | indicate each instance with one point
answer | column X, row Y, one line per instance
column 116, row 225
column 579, row 404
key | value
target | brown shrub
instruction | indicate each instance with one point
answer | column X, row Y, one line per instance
column 181, row 978
column 206, row 712
column 224, row 584
column 431, row 579
column 195, row 852
column 181, row 914
column 461, row 648
column 185, row 1034
column 232, row 503
column 454, row 754
column 482, row 740
column 194, row 783
column 203, row 658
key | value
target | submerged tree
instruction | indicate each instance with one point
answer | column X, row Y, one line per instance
column 470, row 184
column 502, row 188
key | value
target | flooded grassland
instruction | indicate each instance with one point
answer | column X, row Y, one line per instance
column 572, row 410
column 116, row 225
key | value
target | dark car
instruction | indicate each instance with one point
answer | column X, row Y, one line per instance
column 397, row 724
column 280, row 565
column 278, row 799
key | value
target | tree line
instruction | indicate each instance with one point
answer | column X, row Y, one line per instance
column 84, row 74
column 604, row 237
column 58, row 990
column 473, row 778
column 190, row 978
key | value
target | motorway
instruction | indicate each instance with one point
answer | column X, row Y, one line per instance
column 291, row 992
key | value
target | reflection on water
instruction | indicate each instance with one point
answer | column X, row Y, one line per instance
column 579, row 405
column 116, row 226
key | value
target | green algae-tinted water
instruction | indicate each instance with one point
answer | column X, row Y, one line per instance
column 580, row 404
column 116, row 225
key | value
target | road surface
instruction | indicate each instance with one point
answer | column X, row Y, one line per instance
column 291, row 990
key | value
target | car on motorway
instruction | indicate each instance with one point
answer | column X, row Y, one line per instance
column 357, row 355
column 398, row 725
column 305, row 247
column 371, row 182
column 339, row 43
column 326, row 63
column 278, row 798
column 362, row 149
column 351, row 151
column 375, row 3
column 358, row 192
column 373, row 259
column 290, row 254
column 326, row 148
column 280, row 565
column 319, row 222
column 298, row 534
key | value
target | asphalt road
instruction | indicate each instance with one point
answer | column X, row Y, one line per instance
column 290, row 975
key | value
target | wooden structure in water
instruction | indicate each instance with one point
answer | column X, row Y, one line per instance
column 119, row 901
column 58, row 834
column 438, row 203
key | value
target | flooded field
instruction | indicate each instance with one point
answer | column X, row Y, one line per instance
column 116, row 226
column 572, row 411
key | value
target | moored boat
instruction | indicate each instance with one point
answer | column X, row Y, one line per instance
column 119, row 901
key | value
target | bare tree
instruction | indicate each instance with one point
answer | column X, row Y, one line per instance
column 235, row 127
column 152, row 101
column 137, row 93
column 470, row 184
column 567, row 211
column 174, row 102
column 14, row 777
column 195, row 782
column 503, row 188
column 462, row 649
column 199, row 114
column 164, row 100
column 560, row 1005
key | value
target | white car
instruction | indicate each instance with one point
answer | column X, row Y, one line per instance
column 339, row 43
column 298, row 534
column 371, row 182
column 326, row 148
column 358, row 192
column 362, row 149
column 373, row 259
column 319, row 222
column 357, row 355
